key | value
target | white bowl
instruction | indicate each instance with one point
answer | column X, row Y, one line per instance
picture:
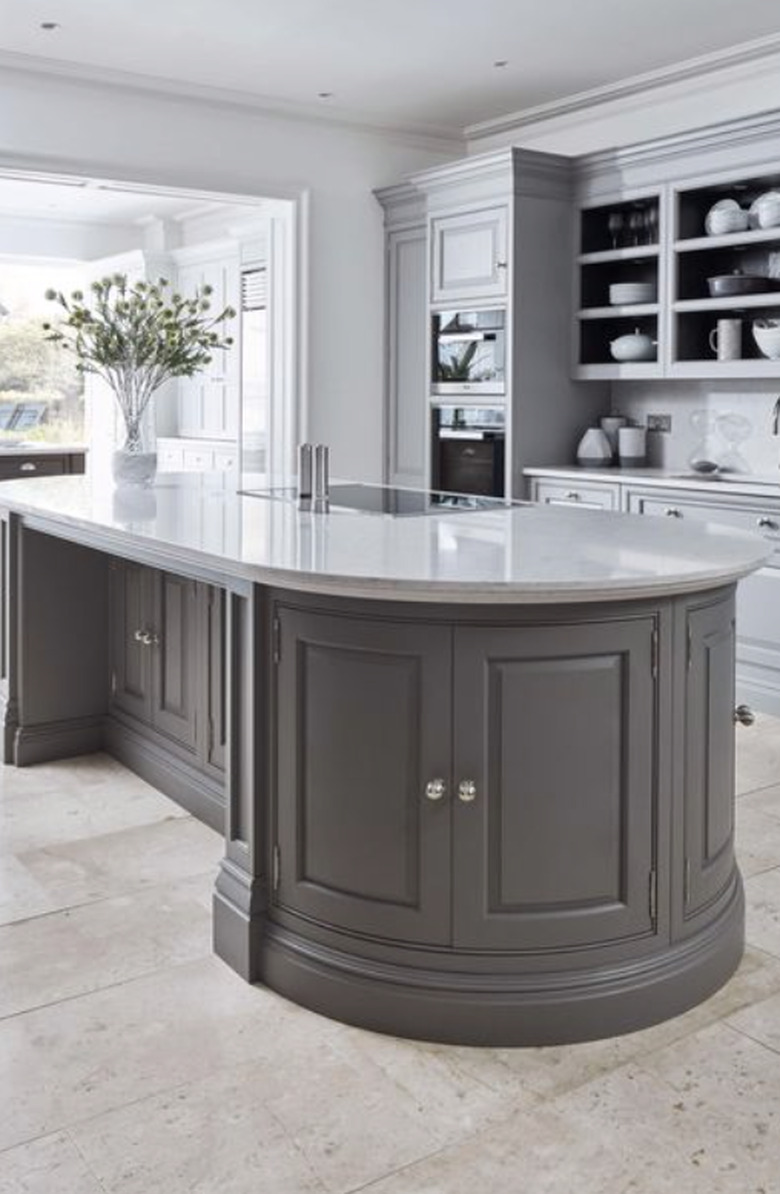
column 726, row 216
column 636, row 346
column 765, row 210
column 766, row 334
column 624, row 293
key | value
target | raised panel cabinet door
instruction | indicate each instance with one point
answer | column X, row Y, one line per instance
column 132, row 622
column 469, row 255
column 216, row 655
column 555, row 732
column 175, row 658
column 362, row 726
column 407, row 416
column 709, row 759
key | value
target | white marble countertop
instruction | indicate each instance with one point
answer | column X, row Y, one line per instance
column 189, row 523
column 735, row 484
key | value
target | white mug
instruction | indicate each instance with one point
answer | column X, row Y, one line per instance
column 726, row 339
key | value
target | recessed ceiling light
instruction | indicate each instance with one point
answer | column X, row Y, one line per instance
column 50, row 25
column 324, row 95
column 500, row 63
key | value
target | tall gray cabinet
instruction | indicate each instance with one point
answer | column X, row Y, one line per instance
column 493, row 232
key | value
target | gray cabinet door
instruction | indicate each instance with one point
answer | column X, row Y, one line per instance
column 362, row 726
column 709, row 757
column 132, row 616
column 174, row 658
column 555, row 727
column 216, row 692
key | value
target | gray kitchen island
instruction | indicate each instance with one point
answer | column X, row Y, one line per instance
column 475, row 768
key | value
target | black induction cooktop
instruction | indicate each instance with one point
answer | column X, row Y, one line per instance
column 386, row 499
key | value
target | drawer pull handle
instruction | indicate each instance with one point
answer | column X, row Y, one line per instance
column 435, row 789
column 467, row 791
column 572, row 496
column 28, row 467
column 673, row 512
column 500, row 265
column 744, row 715
column 768, row 524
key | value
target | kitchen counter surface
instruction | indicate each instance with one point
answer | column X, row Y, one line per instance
column 198, row 524
column 737, row 484
column 33, row 448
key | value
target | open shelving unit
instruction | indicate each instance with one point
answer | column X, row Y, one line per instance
column 618, row 242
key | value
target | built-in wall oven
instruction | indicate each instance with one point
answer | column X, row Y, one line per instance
column 468, row 450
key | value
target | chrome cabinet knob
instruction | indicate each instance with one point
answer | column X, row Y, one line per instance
column 28, row 466
column 672, row 512
column 467, row 791
column 146, row 638
column 744, row 715
column 767, row 524
column 435, row 789
column 500, row 265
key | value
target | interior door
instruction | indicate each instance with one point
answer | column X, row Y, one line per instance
column 554, row 731
column 362, row 728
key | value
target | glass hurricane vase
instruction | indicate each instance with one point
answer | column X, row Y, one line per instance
column 134, row 464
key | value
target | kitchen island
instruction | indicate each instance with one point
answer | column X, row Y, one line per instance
column 478, row 764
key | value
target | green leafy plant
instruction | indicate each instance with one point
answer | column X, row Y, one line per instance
column 458, row 367
column 136, row 337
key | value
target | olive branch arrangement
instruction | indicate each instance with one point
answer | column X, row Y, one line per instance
column 136, row 337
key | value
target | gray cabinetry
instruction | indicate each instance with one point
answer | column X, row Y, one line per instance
column 167, row 684
column 39, row 464
column 709, row 868
column 469, row 255
column 476, row 787
column 407, row 415
column 556, row 728
column 588, row 495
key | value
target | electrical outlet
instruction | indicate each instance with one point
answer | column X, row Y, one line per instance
column 659, row 422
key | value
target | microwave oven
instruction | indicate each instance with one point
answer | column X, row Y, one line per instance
column 468, row 352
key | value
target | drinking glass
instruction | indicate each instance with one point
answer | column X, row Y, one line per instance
column 636, row 225
column 615, row 225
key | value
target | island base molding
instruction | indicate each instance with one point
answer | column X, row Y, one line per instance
column 500, row 1010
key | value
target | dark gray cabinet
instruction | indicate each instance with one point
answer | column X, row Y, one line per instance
column 487, row 787
column 39, row 464
column 708, row 779
column 167, row 703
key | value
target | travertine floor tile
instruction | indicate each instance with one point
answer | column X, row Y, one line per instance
column 758, row 754
column 96, row 945
column 765, row 800
column 758, row 840
column 21, row 895
column 761, row 1022
column 49, row 1165
column 97, row 867
column 762, row 893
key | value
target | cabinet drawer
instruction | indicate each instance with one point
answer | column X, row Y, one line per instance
column 591, row 496
column 760, row 517
column 31, row 466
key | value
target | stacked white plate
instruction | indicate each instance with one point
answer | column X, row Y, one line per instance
column 623, row 294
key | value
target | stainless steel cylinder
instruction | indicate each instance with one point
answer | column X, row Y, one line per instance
column 321, row 472
column 305, row 471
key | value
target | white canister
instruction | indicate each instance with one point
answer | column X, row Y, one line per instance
column 593, row 450
column 610, row 425
column 726, row 339
column 632, row 447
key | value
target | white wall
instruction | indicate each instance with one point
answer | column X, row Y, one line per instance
column 111, row 132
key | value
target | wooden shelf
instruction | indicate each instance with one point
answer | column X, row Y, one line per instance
column 735, row 240
column 731, row 302
column 627, row 311
column 604, row 256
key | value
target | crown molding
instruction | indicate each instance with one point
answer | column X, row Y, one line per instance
column 737, row 58
column 436, row 137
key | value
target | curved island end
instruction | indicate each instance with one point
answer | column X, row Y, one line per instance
column 480, row 780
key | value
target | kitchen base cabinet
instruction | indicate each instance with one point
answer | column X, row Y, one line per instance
column 471, row 827
column 166, row 705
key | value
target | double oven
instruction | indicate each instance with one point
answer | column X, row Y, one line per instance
column 468, row 361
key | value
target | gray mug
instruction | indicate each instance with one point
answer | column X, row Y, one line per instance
column 726, row 340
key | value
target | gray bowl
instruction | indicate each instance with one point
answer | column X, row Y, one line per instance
column 729, row 284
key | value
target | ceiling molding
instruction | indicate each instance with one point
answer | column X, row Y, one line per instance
column 692, row 70
column 156, row 87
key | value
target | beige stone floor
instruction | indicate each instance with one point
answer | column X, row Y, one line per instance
column 134, row 1062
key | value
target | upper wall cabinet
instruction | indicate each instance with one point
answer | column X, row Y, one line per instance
column 618, row 286
column 469, row 255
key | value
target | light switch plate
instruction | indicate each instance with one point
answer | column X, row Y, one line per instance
column 659, row 422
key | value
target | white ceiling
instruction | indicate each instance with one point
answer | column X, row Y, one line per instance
column 415, row 63
column 91, row 203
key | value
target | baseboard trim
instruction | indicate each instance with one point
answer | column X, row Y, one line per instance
column 56, row 740
column 174, row 777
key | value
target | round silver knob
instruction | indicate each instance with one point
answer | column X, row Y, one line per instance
column 672, row 512
column 768, row 524
column 467, row 791
column 744, row 715
column 29, row 466
column 435, row 789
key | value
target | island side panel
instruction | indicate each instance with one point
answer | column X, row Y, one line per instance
column 60, row 593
